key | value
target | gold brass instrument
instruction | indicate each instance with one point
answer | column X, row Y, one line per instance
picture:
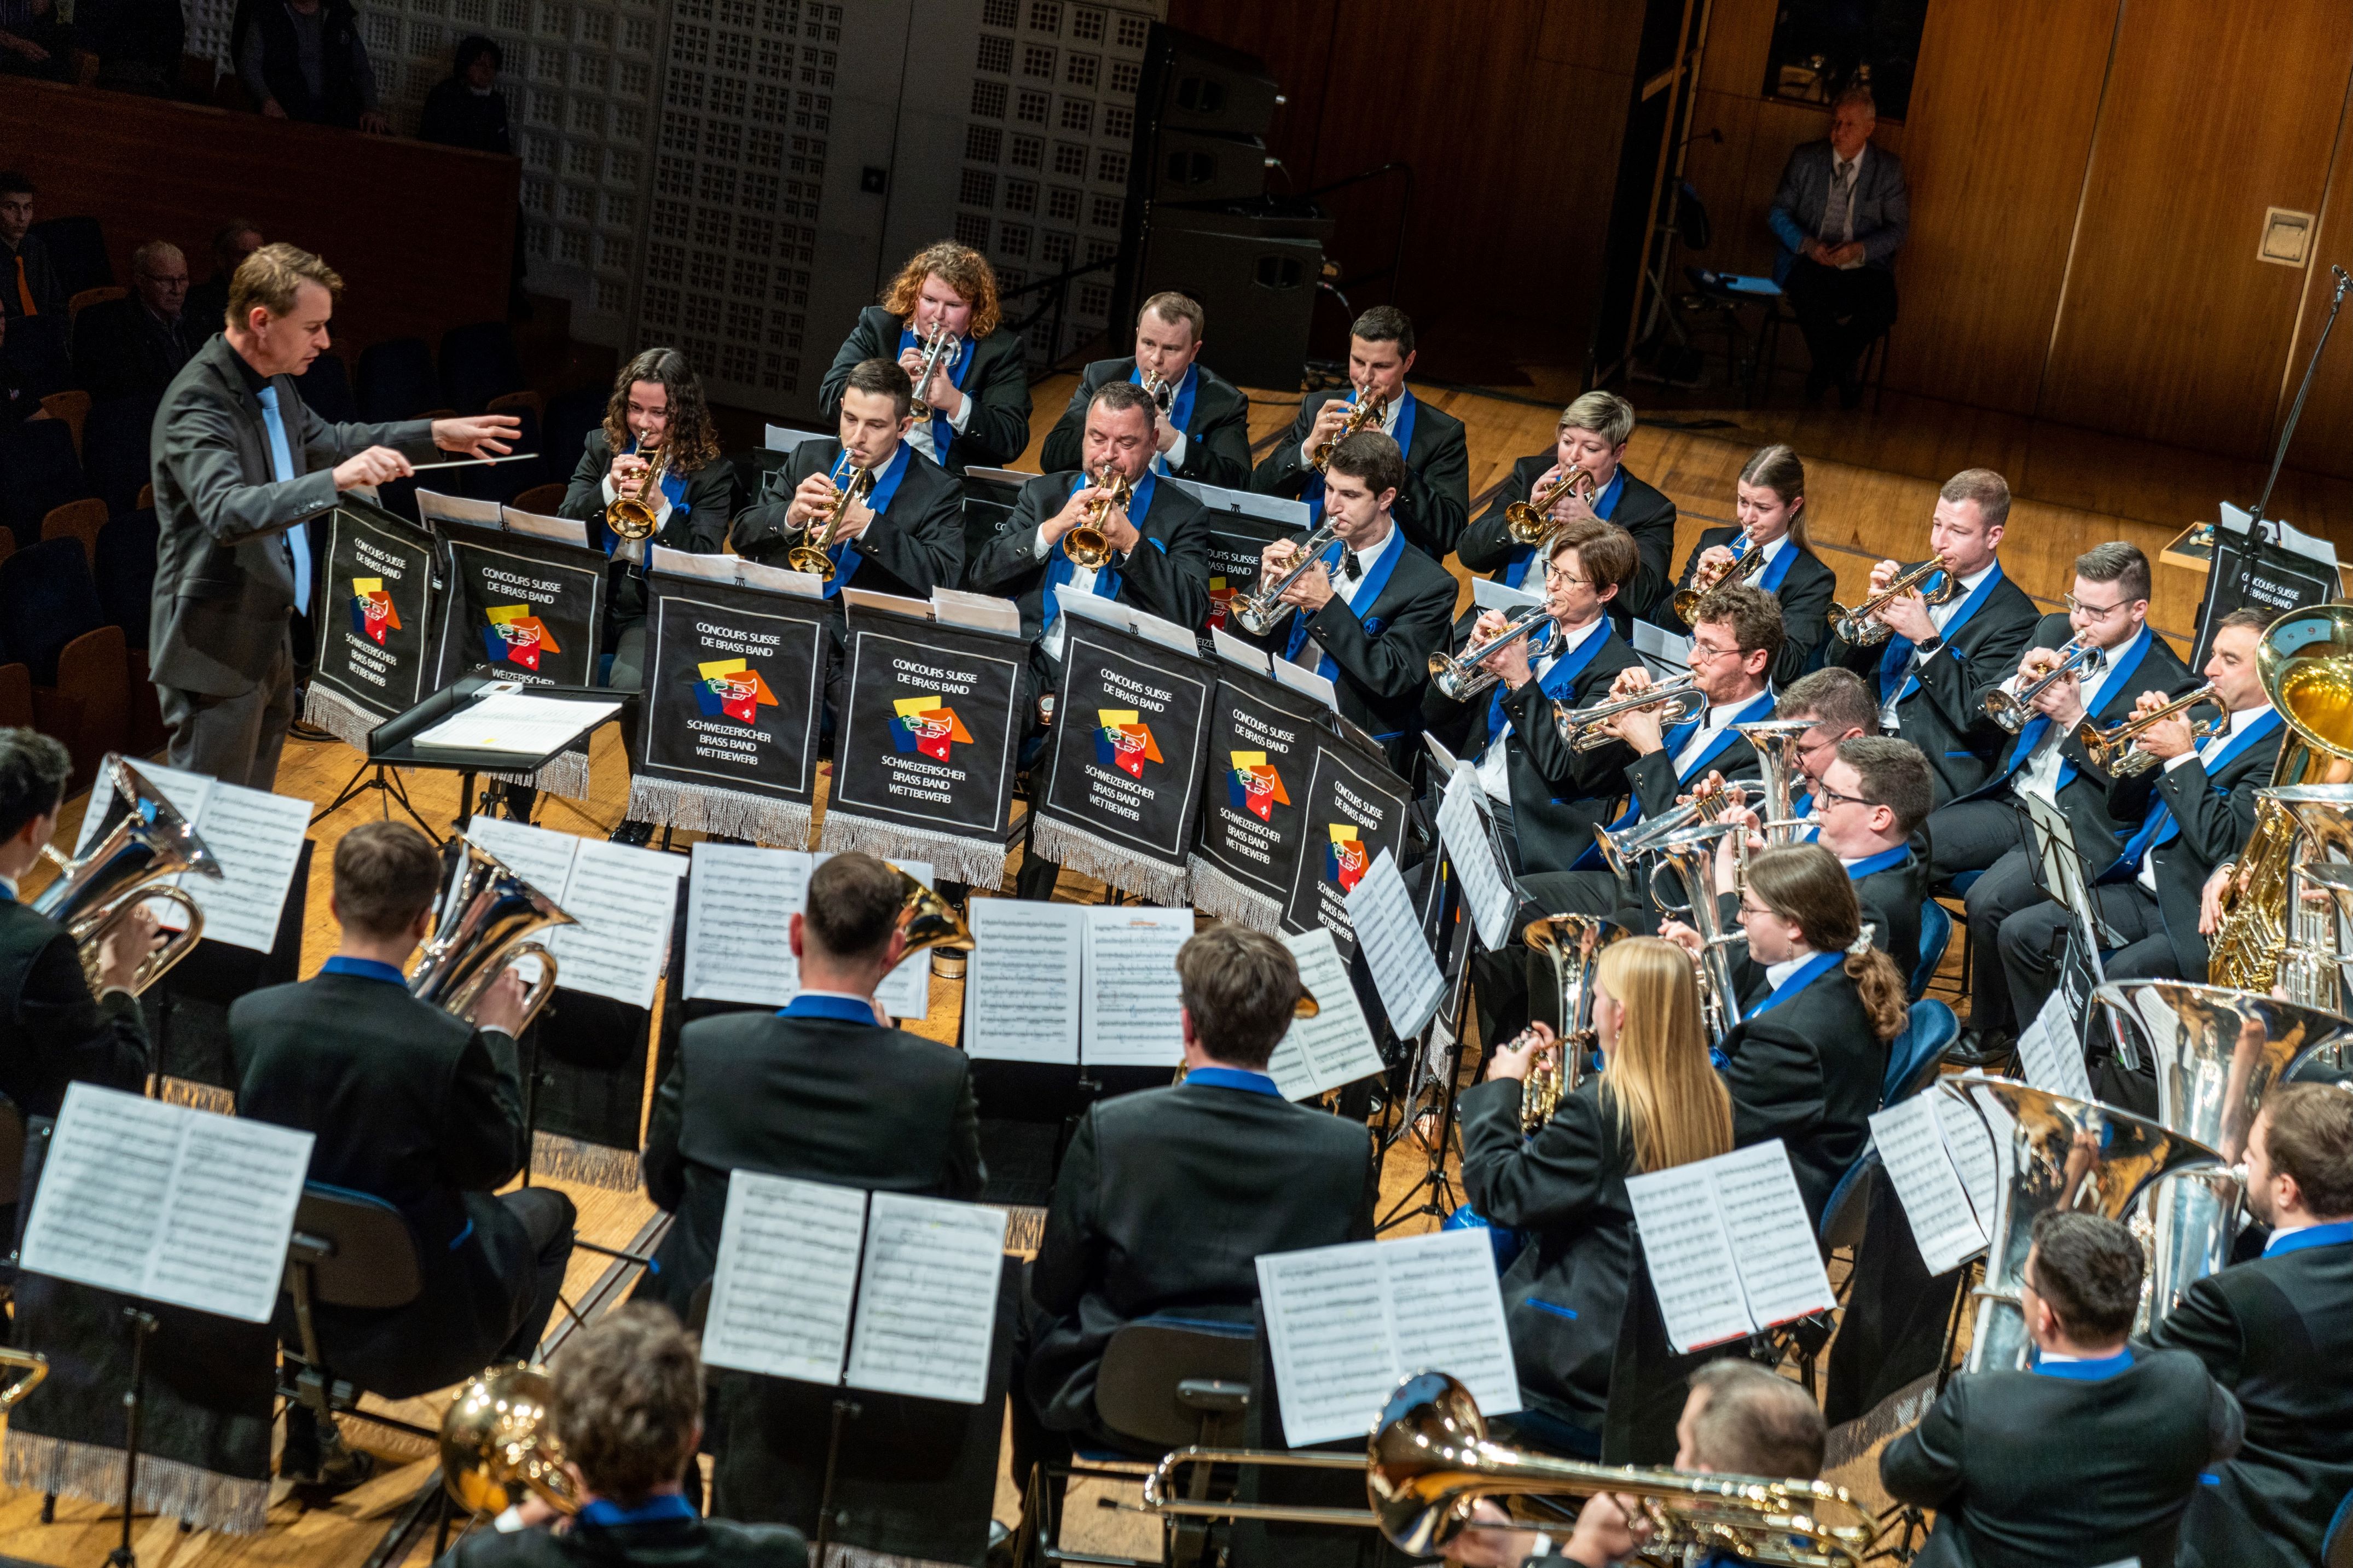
column 1086, row 544
column 1746, row 564
column 1572, row 944
column 1459, row 676
column 1162, row 391
column 1587, row 728
column 1260, row 612
column 485, row 921
column 1689, row 858
column 1365, row 412
column 2113, row 749
column 33, row 1364
column 941, row 352
column 814, row 552
column 928, row 919
column 1430, row 1462
column 2305, row 661
column 1860, row 626
column 142, row 842
column 2012, row 709
column 636, row 514
column 1530, row 522
column 496, row 1447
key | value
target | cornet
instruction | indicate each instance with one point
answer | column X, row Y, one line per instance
column 814, row 554
column 2113, row 752
column 1530, row 522
column 1860, row 626
column 636, row 514
column 1459, row 676
column 1746, row 564
column 142, row 842
column 1260, row 613
column 2012, row 709
column 1587, row 728
column 1162, row 392
column 1086, row 544
column 1368, row 410
column 941, row 352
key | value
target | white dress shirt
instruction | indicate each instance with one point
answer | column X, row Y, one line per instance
column 1173, row 459
column 1495, row 765
column 1775, row 973
column 919, row 435
column 1713, row 722
column 2208, row 750
column 1940, row 617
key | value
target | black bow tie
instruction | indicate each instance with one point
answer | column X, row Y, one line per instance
column 1350, row 567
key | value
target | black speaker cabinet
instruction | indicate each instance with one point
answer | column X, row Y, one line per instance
column 1254, row 277
column 1192, row 84
column 1192, row 166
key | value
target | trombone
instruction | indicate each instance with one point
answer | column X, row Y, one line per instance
column 1365, row 411
column 2012, row 709
column 1460, row 676
column 2113, row 751
column 1587, row 728
column 1086, row 544
column 142, row 842
column 1260, row 613
column 940, row 347
column 814, row 552
column 636, row 514
column 1530, row 522
column 1860, row 626
column 1746, row 563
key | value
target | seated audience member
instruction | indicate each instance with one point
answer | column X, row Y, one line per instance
column 417, row 1107
column 303, row 59
column 207, row 304
column 1770, row 501
column 1167, row 1197
column 1840, row 214
column 1656, row 1103
column 466, row 108
column 2277, row 1332
column 20, row 394
column 138, row 43
column 2091, row 1454
column 625, row 1403
column 1839, row 707
column 1202, row 427
column 35, row 40
column 28, row 278
column 823, row 1089
column 133, row 347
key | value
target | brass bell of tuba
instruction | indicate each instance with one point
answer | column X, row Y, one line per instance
column 142, row 842
column 636, row 514
column 496, row 1446
column 487, row 919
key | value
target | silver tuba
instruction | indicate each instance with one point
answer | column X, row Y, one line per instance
column 485, row 921
column 1690, row 858
column 1776, row 740
column 142, row 841
column 2310, row 959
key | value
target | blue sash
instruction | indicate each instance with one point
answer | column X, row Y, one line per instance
column 840, row 1008
column 366, row 968
column 673, row 489
column 2037, row 727
column 1180, row 407
column 1884, row 861
column 2159, row 827
column 846, row 558
column 1313, row 493
column 1368, row 593
column 606, row 1514
column 1234, row 1078
column 1605, row 502
column 1771, row 580
column 1898, row 657
column 1813, row 969
column 1058, row 569
column 941, row 431
column 1556, row 680
column 2335, row 1234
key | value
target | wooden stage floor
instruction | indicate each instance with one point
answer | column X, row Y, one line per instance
column 1859, row 514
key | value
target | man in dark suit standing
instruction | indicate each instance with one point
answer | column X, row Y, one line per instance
column 1168, row 1198
column 2092, row 1454
column 241, row 465
column 1202, row 426
column 1840, row 214
column 134, row 347
column 1434, row 501
column 975, row 403
column 2277, row 1332
column 417, row 1107
column 823, row 1090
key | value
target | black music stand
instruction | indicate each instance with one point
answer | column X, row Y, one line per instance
column 2067, row 879
column 393, row 744
column 1450, row 929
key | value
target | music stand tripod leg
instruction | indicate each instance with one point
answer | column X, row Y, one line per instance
column 843, row 1410
column 142, row 1324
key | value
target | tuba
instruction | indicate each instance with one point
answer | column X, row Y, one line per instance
column 2311, row 968
column 1573, row 945
column 487, row 919
column 142, row 842
column 636, row 514
column 496, row 1447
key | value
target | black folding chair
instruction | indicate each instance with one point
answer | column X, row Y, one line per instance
column 349, row 1249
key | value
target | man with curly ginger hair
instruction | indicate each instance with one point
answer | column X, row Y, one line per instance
column 975, row 405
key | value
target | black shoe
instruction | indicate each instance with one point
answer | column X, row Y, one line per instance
column 1981, row 1048
column 639, row 833
column 304, row 730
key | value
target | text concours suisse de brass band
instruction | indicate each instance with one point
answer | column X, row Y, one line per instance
column 1352, row 1019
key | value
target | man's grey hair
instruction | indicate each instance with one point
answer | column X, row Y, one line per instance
column 1856, row 94
column 1756, row 1423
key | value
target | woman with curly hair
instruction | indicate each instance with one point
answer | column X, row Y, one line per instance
column 977, row 400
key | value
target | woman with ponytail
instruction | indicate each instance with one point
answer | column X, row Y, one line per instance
column 1656, row 1103
column 1770, row 502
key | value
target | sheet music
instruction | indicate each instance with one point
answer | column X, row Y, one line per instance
column 1667, row 653
column 772, row 579
column 1780, row 1263
column 1689, row 1255
column 1089, row 606
column 185, row 792
column 687, row 563
column 105, row 1187
column 1167, row 634
column 1447, row 762
column 1447, row 1314
column 1129, row 1014
column 565, row 530
column 1494, row 594
column 517, row 723
column 985, row 611
column 739, row 908
column 1023, row 985
column 1969, row 1144
column 258, row 839
column 1301, row 677
column 1233, row 650
column 624, row 899
column 927, row 1310
column 1912, row 1146
column 540, row 856
column 1334, row 1048
column 1462, row 826
column 786, row 1275
column 1404, row 972
column 2048, row 1053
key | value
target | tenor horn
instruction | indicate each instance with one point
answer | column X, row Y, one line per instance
column 496, row 1447
column 142, row 842
column 1690, row 859
column 488, row 919
column 1572, row 944
column 1776, row 742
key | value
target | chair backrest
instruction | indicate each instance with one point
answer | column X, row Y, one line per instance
column 370, row 1258
column 396, row 380
column 1136, row 1384
column 77, row 520
column 114, row 445
column 42, row 349
column 16, row 696
column 2337, row 1542
column 38, row 474
column 1849, row 1202
column 47, row 600
column 479, row 362
column 1935, row 935
column 126, row 573
column 1914, row 1054
column 77, row 248
column 85, row 298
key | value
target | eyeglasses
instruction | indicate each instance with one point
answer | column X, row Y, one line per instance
column 1824, row 792
column 1566, row 579
column 1750, row 910
column 1812, row 741
column 1700, row 650
column 2097, row 612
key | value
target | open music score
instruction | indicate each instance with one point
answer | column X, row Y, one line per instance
column 167, row 1203
column 623, row 897
column 1462, row 826
column 739, row 906
column 257, row 837
column 1065, row 983
column 1345, row 1324
column 1334, row 1048
column 2049, row 1053
column 835, row 1286
column 1407, row 976
column 1709, row 1290
column 1946, row 1226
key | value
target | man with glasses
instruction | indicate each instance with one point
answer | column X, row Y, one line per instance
column 1839, row 707
column 1873, row 794
column 2107, row 615
column 134, row 347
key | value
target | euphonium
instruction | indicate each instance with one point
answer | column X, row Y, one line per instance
column 2113, row 749
column 142, row 842
column 1459, row 674
column 1368, row 410
column 1626, row 849
column 941, row 350
column 2012, row 709
column 1086, row 544
column 927, row 919
column 1260, row 612
column 1530, row 522
column 1690, row 858
column 1775, row 744
column 1860, row 626
column 814, row 554
column 1573, row 945
column 496, row 1446
column 2311, row 969
column 1587, row 728
column 636, row 515
column 1749, row 562
column 486, row 918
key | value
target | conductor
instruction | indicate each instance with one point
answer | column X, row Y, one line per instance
column 240, row 466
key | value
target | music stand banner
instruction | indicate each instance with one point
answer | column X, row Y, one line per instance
column 1122, row 793
column 1356, row 808
column 524, row 609
column 1264, row 738
column 1237, row 544
column 376, row 610
column 733, row 697
column 923, row 760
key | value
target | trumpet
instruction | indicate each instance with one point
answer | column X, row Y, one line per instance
column 2113, row 750
column 2012, row 709
column 1260, row 613
column 814, row 554
column 142, row 842
column 1366, row 411
column 1460, row 676
column 1860, row 627
column 1086, row 544
column 941, row 352
column 1587, row 728
column 636, row 514
column 1530, row 522
column 1746, row 564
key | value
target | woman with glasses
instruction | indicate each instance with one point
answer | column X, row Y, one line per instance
column 1769, row 548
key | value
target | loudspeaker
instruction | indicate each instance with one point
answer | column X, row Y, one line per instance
column 1254, row 274
column 1193, row 167
column 1192, row 84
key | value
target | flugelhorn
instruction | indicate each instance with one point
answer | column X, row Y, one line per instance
column 1260, row 612
column 2113, row 751
column 814, row 552
column 1587, row 728
column 1748, row 561
column 941, row 350
column 1162, row 391
column 142, row 842
column 2012, row 709
column 1086, row 544
column 1368, row 409
column 1530, row 522
column 487, row 920
column 1459, row 676
column 496, row 1447
column 635, row 514
column 1860, row 626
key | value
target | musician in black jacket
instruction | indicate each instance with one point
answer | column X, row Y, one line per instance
column 1872, row 798
column 1433, row 500
column 821, row 1091
column 625, row 1401
column 1202, row 426
column 56, row 1032
column 2277, row 1332
column 976, row 399
column 2091, row 1456
column 1166, row 1198
column 421, row 1109
column 1769, row 500
column 1934, row 667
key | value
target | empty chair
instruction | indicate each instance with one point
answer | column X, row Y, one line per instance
column 71, row 409
column 79, row 670
column 38, row 474
column 125, row 570
column 396, row 381
column 77, row 248
column 326, row 389
column 114, row 445
column 479, row 363
column 89, row 297
column 79, row 521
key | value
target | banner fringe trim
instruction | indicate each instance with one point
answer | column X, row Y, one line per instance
column 577, row 1160
column 567, row 775
column 953, row 858
column 338, row 715
column 728, row 813
column 1217, row 893
column 1850, row 1440
column 205, row 1499
column 1076, row 850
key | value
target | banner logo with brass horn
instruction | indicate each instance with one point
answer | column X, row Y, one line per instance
column 1255, row 787
column 517, row 635
column 1345, row 861
column 372, row 611
column 927, row 726
column 732, row 688
column 1125, row 741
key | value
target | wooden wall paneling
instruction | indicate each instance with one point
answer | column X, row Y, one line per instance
column 2171, row 328
column 1739, row 38
column 2324, row 439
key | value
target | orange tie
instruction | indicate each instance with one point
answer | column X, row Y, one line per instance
column 24, row 290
